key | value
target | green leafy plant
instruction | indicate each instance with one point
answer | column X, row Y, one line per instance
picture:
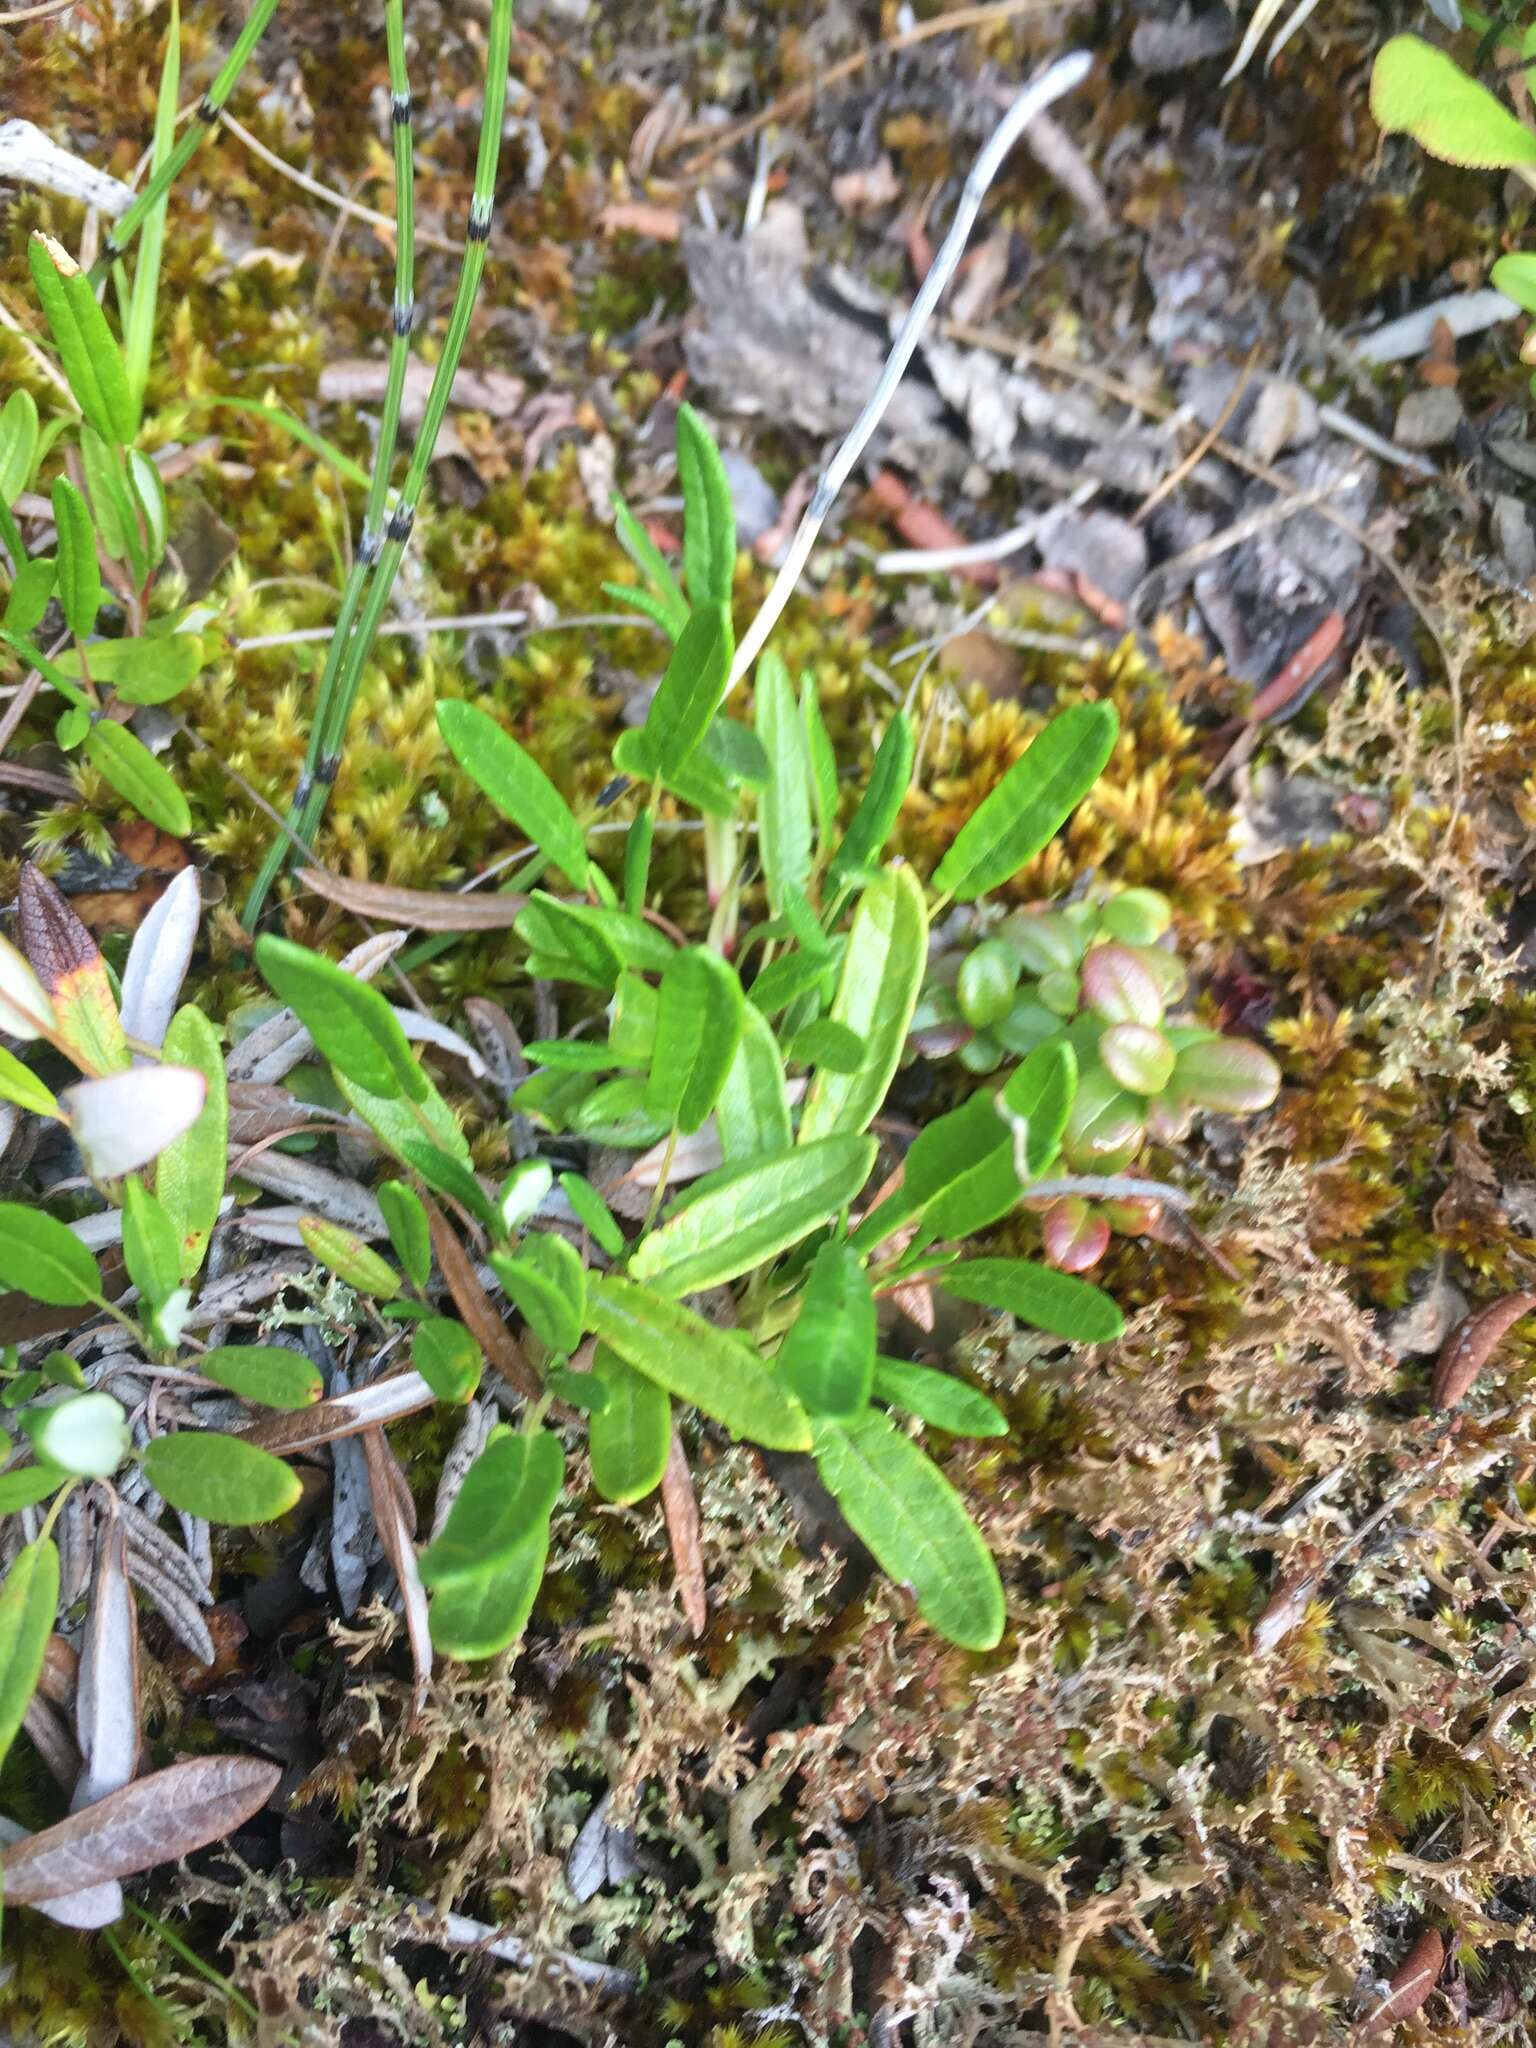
column 1097, row 979
column 1420, row 90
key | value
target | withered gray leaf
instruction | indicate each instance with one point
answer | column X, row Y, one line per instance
column 154, row 1820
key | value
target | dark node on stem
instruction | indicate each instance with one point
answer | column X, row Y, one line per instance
column 401, row 520
column 368, row 545
column 400, row 108
column 326, row 770
column 612, row 791
column 207, row 112
column 304, row 791
column 110, row 250
column 480, row 220
column 402, row 316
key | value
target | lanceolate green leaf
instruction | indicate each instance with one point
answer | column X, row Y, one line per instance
column 38, row 1256
column 409, row 1232
column 547, row 1281
column 594, row 1213
column 716, row 1371
column 79, row 574
column 689, row 693
column 28, row 1601
column 751, row 1214
column 220, row 1477
column 1058, row 1302
column 784, row 802
column 630, row 1435
column 827, row 1359
column 91, row 358
column 18, row 445
column 350, row 1022
column 135, row 774
column 189, row 1173
column 1041, row 1090
column 938, row 1398
column 1031, row 803
column 901, row 1505
column 516, row 785
column 818, row 742
column 876, row 994
column 665, row 600
column 709, row 524
column 752, row 1115
column 698, row 1028
column 890, row 776
column 151, row 1249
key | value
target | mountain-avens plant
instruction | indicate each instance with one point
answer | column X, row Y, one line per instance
column 1101, row 979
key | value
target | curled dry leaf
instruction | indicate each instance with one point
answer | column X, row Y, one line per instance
column 393, row 1516
column 480, row 1315
column 1470, row 1346
column 681, row 1507
column 425, row 910
column 370, row 1407
column 154, row 1820
column 107, row 1692
column 158, row 960
column 122, row 1121
column 1286, row 1606
column 1411, row 1983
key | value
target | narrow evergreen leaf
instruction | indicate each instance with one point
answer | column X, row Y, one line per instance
column 899, row 1503
column 890, row 777
column 516, row 785
column 689, row 693
column 1058, row 1302
column 937, row 1398
column 876, row 994
column 1031, row 803
column 753, row 1212
column 409, row 1232
column 717, row 1372
column 752, row 1114
column 698, row 1028
column 709, row 523
column 350, row 1022
column 125, row 762
column 78, row 572
column 784, row 803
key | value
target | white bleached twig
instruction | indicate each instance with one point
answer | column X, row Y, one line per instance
column 1057, row 80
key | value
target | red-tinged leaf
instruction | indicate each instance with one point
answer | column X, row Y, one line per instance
column 1289, row 690
column 154, row 1820
column 68, row 963
column 1470, row 1346
column 1286, row 1606
column 480, row 1314
column 1410, row 1985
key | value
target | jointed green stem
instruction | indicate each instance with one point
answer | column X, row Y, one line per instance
column 351, row 645
column 312, row 776
column 206, row 118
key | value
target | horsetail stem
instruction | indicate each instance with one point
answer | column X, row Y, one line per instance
column 351, row 645
column 203, row 122
column 403, row 312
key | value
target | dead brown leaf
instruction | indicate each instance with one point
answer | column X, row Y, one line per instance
column 680, row 1505
column 154, row 1820
column 427, row 910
